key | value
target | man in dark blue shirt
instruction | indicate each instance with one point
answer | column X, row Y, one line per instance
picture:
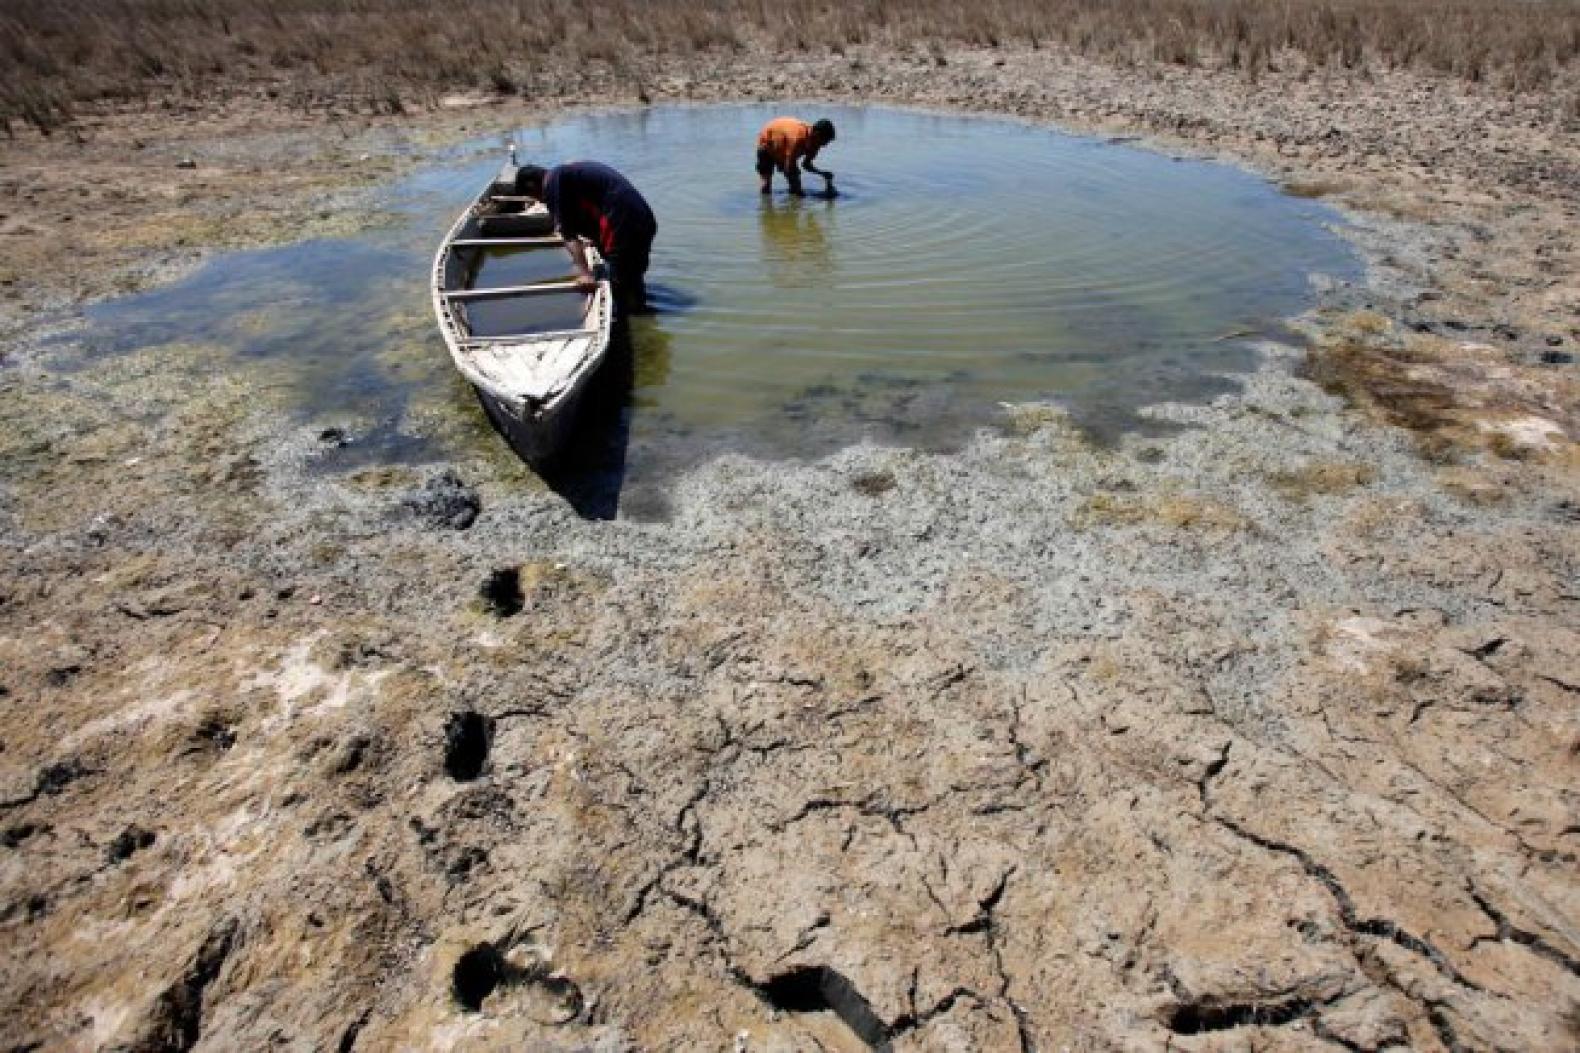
column 591, row 200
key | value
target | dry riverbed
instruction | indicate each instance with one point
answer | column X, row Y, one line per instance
column 1260, row 734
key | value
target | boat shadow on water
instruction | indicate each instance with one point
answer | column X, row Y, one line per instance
column 590, row 470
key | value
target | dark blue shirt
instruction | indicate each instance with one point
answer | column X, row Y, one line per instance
column 591, row 200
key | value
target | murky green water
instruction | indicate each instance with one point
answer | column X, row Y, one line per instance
column 966, row 263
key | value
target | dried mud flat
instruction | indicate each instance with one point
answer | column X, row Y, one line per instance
column 1259, row 735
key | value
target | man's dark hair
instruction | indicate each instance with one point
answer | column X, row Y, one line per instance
column 529, row 180
column 824, row 130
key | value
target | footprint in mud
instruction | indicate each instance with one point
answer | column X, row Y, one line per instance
column 476, row 974
column 519, row 982
column 818, row 990
column 127, row 843
column 501, row 593
column 467, row 737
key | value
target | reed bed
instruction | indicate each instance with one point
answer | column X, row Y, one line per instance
column 64, row 56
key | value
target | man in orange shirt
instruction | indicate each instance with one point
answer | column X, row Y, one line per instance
column 790, row 145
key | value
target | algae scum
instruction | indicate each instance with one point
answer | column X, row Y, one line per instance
column 966, row 263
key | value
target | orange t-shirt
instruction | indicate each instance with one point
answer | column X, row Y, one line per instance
column 786, row 140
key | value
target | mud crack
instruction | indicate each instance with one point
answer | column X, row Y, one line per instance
column 1025, row 756
column 914, row 1021
column 872, row 807
column 1378, row 927
column 1507, row 931
column 689, row 854
column 1204, row 784
column 986, row 922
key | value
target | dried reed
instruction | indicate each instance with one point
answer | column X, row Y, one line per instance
column 61, row 56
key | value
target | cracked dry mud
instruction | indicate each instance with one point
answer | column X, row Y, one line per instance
column 1260, row 735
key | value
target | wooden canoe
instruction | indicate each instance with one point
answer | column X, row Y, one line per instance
column 528, row 346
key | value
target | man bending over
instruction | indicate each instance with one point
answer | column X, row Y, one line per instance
column 591, row 200
column 789, row 145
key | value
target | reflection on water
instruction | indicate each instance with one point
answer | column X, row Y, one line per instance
column 796, row 248
column 967, row 263
column 520, row 314
column 518, row 265
column 591, row 473
column 651, row 351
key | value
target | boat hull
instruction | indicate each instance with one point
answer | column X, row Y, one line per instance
column 539, row 439
column 534, row 414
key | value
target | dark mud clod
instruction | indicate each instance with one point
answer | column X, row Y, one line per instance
column 444, row 502
column 484, row 969
column 352, row 754
column 477, row 973
column 56, row 777
column 31, row 907
column 213, row 733
column 501, row 592
column 348, row 1038
column 128, row 842
column 464, row 862
column 1566, row 511
column 466, row 741
column 568, row 1000
column 872, row 484
column 19, row 834
column 819, row 989
column 62, row 675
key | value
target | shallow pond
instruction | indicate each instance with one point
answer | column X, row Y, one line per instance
column 965, row 263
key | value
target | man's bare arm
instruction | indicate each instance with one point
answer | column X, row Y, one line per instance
column 807, row 163
column 578, row 250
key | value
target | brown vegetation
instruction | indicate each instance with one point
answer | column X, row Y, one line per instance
column 62, row 55
column 1455, row 397
column 1322, row 478
column 1377, row 376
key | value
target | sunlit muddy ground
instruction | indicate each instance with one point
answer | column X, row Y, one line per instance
column 328, row 726
column 965, row 263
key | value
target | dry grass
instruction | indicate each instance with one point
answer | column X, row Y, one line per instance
column 63, row 55
column 1456, row 398
column 1321, row 478
column 1024, row 419
column 1178, row 511
column 1376, row 376
column 1315, row 188
column 1365, row 362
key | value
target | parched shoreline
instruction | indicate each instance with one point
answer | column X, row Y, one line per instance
column 1263, row 733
